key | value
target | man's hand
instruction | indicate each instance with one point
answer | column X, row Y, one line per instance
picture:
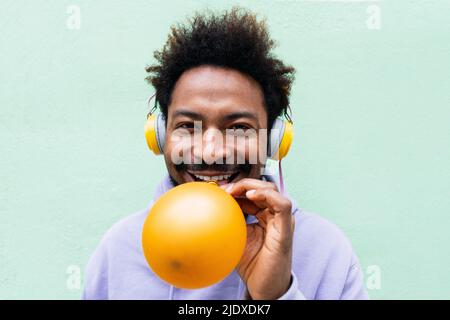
column 266, row 264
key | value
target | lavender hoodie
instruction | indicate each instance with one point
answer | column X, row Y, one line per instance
column 324, row 265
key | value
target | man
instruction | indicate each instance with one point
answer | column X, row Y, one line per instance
column 219, row 69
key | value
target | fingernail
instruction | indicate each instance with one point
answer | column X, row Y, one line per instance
column 250, row 193
column 227, row 187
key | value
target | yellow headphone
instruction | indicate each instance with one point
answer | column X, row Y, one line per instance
column 280, row 139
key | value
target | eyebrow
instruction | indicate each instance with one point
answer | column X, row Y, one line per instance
column 187, row 113
column 228, row 117
column 240, row 114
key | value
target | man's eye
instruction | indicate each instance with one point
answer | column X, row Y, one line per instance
column 185, row 125
column 239, row 127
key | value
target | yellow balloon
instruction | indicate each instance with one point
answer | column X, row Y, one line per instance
column 194, row 235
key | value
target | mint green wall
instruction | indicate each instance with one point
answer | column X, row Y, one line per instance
column 372, row 142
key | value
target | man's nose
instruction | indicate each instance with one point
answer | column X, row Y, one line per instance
column 212, row 147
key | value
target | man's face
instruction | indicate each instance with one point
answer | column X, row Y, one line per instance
column 223, row 100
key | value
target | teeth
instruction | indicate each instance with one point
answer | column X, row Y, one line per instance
column 216, row 178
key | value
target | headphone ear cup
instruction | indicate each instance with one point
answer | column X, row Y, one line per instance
column 155, row 133
column 161, row 132
column 280, row 140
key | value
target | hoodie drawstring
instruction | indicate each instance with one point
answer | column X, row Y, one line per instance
column 238, row 297
column 171, row 293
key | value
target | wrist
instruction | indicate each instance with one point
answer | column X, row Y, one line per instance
column 284, row 289
column 274, row 294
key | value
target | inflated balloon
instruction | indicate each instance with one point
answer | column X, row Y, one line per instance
column 194, row 235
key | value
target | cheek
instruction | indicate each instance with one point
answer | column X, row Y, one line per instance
column 252, row 148
column 178, row 146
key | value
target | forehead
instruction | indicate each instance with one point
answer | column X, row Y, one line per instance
column 215, row 91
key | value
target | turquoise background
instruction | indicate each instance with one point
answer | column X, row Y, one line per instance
column 371, row 151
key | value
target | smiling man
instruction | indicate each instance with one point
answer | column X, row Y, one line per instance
column 218, row 70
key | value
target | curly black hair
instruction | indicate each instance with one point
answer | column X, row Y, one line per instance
column 234, row 39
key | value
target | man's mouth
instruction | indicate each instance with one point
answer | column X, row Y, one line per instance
column 219, row 177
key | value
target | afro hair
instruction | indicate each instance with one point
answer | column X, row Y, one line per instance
column 233, row 39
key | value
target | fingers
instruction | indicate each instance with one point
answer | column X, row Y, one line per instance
column 263, row 218
column 261, row 198
column 248, row 206
column 242, row 186
column 271, row 199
